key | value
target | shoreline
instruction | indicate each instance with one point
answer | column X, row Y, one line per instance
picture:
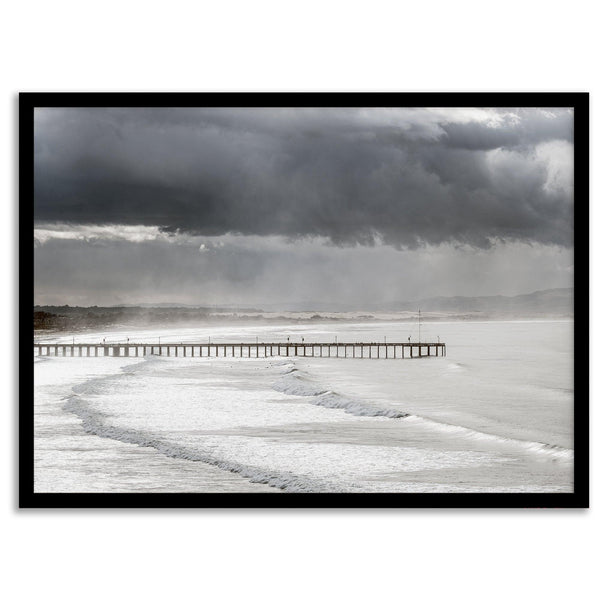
column 278, row 321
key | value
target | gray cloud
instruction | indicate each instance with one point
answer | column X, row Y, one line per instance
column 249, row 270
column 522, row 128
column 354, row 176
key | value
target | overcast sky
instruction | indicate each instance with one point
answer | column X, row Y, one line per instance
column 269, row 206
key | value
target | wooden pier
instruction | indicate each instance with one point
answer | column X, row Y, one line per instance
column 364, row 350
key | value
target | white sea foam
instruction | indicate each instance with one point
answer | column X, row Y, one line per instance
column 94, row 422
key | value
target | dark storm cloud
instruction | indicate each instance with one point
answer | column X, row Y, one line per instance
column 406, row 177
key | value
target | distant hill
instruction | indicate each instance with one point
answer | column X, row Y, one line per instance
column 543, row 303
column 554, row 302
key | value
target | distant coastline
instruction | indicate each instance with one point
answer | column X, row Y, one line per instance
column 542, row 304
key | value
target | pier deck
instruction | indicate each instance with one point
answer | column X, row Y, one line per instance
column 364, row 350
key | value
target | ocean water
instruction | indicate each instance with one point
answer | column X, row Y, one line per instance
column 494, row 415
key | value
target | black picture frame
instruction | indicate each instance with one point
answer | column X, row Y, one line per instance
column 579, row 498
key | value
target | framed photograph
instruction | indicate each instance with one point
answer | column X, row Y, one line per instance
column 304, row 300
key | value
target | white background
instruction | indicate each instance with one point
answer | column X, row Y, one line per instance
column 279, row 46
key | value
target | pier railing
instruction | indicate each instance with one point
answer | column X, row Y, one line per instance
column 364, row 350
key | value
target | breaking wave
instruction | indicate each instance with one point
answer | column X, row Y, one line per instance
column 294, row 383
column 355, row 407
column 539, row 447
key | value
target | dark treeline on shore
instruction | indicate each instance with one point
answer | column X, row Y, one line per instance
column 67, row 317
